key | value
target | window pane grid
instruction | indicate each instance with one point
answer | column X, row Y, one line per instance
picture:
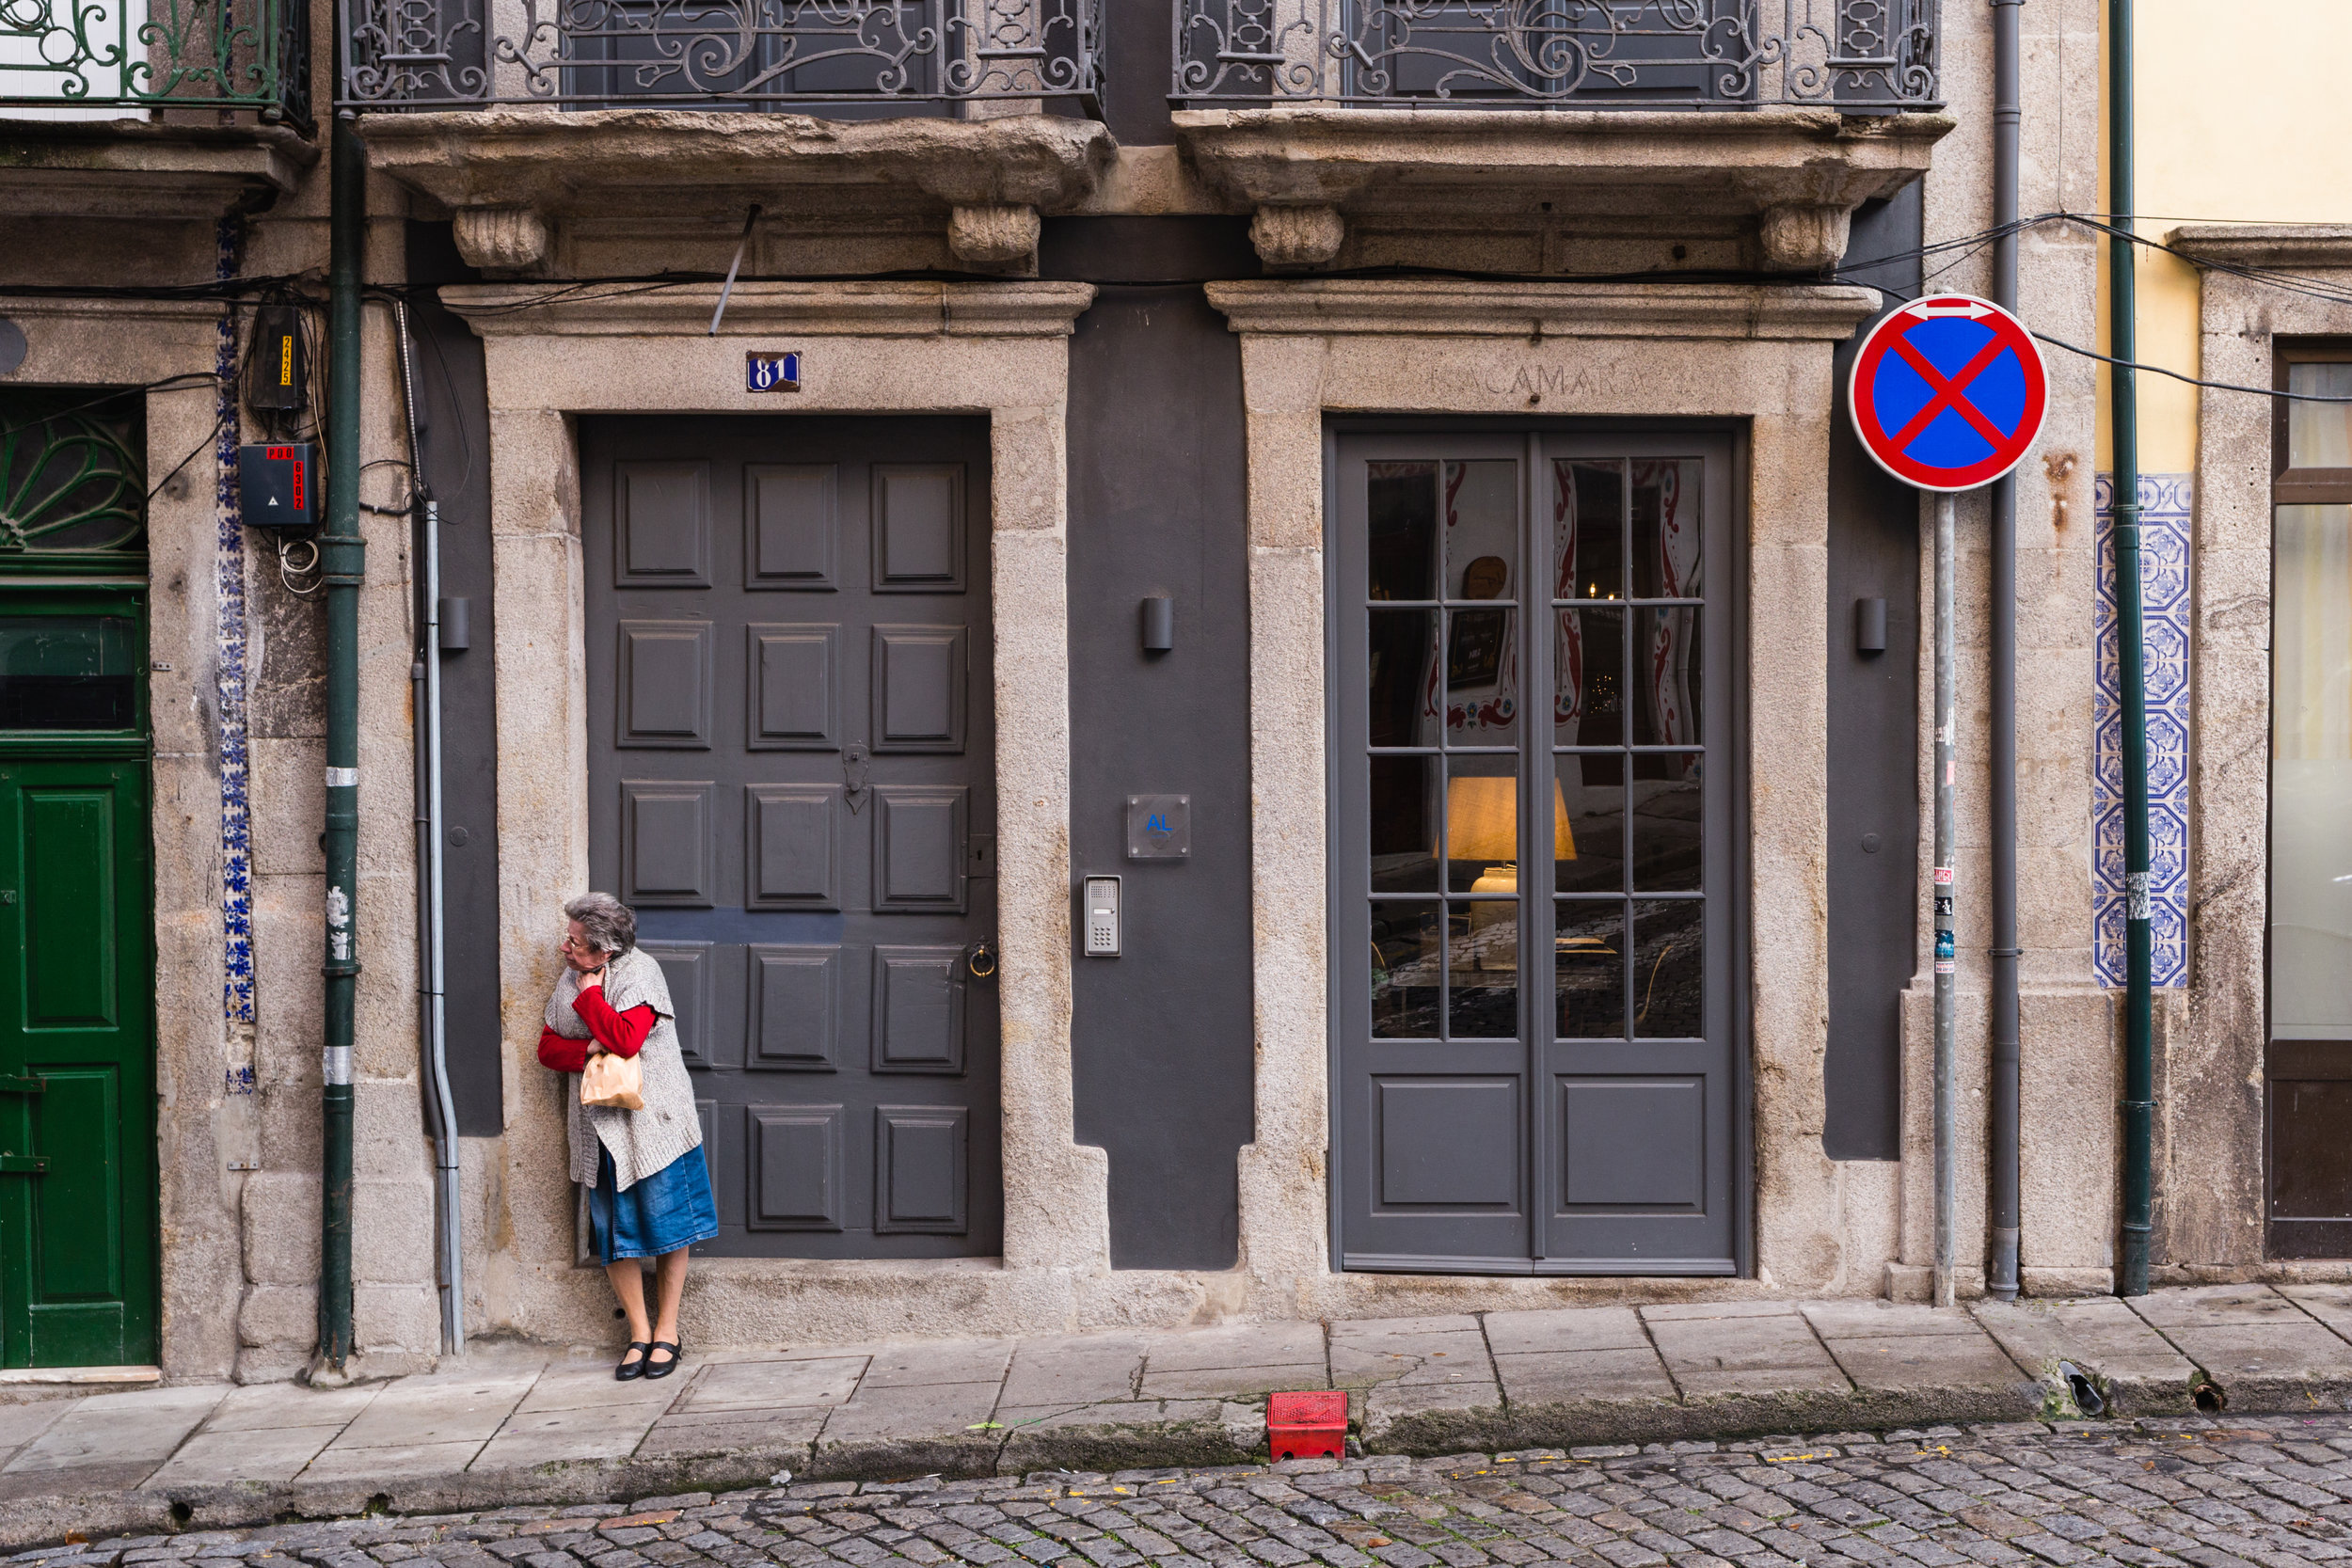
column 1625, row 645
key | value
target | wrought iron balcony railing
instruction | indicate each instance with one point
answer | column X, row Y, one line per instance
column 114, row 60
column 1860, row 57
column 850, row 56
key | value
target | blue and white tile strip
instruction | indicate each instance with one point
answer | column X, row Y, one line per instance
column 237, row 825
column 2163, row 556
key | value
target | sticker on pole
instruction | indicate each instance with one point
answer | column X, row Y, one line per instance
column 1948, row 392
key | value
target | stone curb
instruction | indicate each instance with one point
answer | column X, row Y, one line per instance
column 1237, row 1437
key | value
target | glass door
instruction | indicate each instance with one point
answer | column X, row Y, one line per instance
column 1535, row 1069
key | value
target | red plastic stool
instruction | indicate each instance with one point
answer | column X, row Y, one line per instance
column 1312, row 1425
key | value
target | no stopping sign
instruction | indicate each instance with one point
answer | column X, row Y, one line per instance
column 1948, row 392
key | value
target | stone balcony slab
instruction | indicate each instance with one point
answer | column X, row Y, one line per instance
column 146, row 169
column 519, row 183
column 1771, row 189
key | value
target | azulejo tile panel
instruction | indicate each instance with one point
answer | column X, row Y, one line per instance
column 2164, row 562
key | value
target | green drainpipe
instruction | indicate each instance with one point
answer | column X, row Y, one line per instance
column 342, row 561
column 2140, row 1072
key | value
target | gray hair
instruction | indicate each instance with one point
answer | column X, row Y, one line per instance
column 605, row 921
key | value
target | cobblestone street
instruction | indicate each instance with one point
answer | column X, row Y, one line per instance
column 2257, row 1491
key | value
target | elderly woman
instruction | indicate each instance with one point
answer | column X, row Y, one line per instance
column 649, row 1191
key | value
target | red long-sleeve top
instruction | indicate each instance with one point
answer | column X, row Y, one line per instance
column 623, row 1033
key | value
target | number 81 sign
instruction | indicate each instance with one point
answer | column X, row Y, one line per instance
column 771, row 371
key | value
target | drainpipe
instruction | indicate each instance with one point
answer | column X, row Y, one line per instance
column 2001, row 1187
column 343, row 558
column 424, row 677
column 2139, row 1070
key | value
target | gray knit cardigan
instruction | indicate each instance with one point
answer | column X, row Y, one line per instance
column 642, row 1142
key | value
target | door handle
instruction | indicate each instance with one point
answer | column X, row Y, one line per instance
column 22, row 1165
column 24, row 1086
column 979, row 960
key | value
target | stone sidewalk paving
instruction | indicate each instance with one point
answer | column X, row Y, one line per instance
column 509, row 1426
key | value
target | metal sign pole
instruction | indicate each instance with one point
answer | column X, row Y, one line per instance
column 1947, row 394
column 1947, row 769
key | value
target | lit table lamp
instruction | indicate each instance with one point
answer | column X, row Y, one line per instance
column 1481, row 823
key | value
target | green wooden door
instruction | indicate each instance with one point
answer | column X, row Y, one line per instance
column 77, row 1079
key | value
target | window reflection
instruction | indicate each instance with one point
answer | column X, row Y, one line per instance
column 1403, row 824
column 1667, row 967
column 1588, row 965
column 1665, row 518
column 1482, row 969
column 1595, row 813
column 2310, row 774
column 1481, row 677
column 1587, row 704
column 1407, row 970
column 1666, row 665
column 68, row 673
column 2319, row 435
column 1402, row 673
column 1588, row 530
column 1669, row 801
column 1401, row 514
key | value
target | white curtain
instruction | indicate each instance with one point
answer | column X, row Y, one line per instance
column 2311, row 768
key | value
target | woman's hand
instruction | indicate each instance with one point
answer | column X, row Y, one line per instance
column 593, row 979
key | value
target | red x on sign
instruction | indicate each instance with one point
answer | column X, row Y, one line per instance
column 1948, row 392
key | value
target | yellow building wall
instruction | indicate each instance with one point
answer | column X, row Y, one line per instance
column 2244, row 116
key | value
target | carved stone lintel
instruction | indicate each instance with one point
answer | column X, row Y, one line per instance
column 1805, row 237
column 502, row 238
column 992, row 236
column 1297, row 236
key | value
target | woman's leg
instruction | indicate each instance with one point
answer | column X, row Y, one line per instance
column 669, row 1278
column 627, row 1275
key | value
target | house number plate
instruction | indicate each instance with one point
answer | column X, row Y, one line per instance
column 771, row 371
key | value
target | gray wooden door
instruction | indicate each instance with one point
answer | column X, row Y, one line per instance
column 791, row 778
column 1534, row 935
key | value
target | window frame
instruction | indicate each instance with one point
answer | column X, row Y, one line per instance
column 2291, row 486
column 2295, row 1238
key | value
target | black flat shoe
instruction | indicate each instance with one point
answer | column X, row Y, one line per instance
column 634, row 1367
column 662, row 1369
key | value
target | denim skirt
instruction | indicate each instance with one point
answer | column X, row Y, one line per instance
column 666, row 1210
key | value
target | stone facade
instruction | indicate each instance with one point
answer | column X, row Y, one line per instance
column 536, row 199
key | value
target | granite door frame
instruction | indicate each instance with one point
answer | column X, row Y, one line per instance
column 1317, row 350
column 2211, row 1155
column 994, row 349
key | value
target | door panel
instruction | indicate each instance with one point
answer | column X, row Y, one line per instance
column 668, row 846
column 666, row 680
column 793, row 858
column 1528, row 675
column 795, row 698
column 795, row 1008
column 663, row 539
column 808, row 870
column 77, row 1216
column 686, row 966
column 793, row 528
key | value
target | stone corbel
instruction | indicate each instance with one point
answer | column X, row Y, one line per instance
column 996, row 236
column 1297, row 236
column 503, row 239
column 1807, row 237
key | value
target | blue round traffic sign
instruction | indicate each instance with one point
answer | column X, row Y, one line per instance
column 1948, row 392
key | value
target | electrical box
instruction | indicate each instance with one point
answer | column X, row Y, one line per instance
column 275, row 371
column 277, row 484
column 1098, row 911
